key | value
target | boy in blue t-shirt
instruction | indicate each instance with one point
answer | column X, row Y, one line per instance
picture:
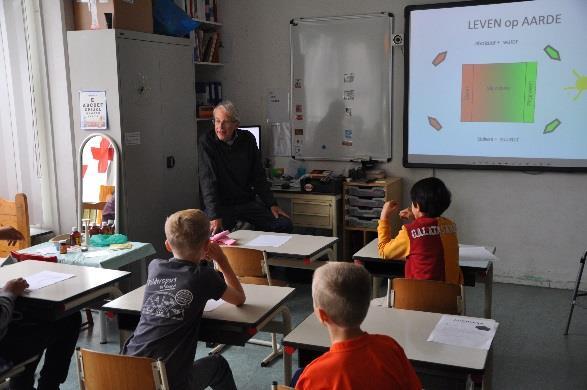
column 177, row 291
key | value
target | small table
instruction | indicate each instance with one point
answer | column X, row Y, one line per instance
column 473, row 269
column 57, row 300
column 227, row 324
column 101, row 257
column 300, row 251
column 409, row 328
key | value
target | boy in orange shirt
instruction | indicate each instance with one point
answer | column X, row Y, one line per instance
column 356, row 360
column 428, row 242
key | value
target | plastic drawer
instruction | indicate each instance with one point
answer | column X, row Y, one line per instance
column 362, row 223
column 372, row 192
column 370, row 212
column 364, row 202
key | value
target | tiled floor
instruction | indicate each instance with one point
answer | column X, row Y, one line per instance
column 530, row 350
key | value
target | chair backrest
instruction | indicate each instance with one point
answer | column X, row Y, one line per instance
column 16, row 214
column 93, row 211
column 98, row 370
column 250, row 266
column 427, row 295
column 246, row 262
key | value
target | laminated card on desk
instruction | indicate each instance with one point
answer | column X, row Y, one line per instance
column 45, row 278
column 268, row 240
column 472, row 252
column 464, row 331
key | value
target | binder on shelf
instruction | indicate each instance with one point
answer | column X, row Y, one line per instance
column 213, row 46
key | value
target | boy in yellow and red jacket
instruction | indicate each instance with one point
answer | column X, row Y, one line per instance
column 428, row 242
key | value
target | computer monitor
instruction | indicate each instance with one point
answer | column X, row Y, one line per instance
column 256, row 131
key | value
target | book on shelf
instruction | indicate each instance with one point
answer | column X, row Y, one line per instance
column 208, row 93
column 206, row 10
column 213, row 47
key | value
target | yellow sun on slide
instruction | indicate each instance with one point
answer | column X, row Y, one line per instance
column 580, row 84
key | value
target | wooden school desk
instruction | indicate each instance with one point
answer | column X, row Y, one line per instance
column 410, row 329
column 473, row 269
column 57, row 300
column 227, row 324
column 300, row 251
column 132, row 259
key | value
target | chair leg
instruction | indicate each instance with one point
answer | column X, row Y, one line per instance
column 576, row 292
column 89, row 324
column 217, row 349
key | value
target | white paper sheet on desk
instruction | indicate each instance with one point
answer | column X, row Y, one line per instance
column 45, row 278
column 268, row 240
column 464, row 331
column 471, row 252
column 213, row 304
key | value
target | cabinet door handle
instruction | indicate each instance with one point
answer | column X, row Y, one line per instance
column 170, row 161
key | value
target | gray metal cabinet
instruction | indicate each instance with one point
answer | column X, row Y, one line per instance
column 149, row 84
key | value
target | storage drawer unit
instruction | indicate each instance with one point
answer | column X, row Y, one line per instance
column 362, row 205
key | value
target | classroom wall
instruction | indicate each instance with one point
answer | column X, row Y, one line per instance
column 536, row 221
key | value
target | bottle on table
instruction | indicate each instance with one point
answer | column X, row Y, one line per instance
column 111, row 226
column 63, row 247
column 105, row 229
column 95, row 229
column 75, row 238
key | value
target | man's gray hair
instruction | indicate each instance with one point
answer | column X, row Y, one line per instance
column 343, row 291
column 230, row 109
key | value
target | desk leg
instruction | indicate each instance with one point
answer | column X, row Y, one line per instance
column 287, row 359
column 388, row 293
column 488, row 290
column 114, row 293
column 488, row 374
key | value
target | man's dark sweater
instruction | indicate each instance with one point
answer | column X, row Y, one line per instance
column 231, row 174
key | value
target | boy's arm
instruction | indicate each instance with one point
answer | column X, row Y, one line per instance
column 8, row 294
column 392, row 248
column 234, row 292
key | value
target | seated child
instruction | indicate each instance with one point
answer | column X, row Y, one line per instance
column 428, row 241
column 357, row 360
column 177, row 291
column 21, row 338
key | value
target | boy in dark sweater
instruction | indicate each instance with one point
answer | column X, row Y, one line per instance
column 176, row 293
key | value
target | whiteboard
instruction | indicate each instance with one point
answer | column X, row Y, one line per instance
column 341, row 87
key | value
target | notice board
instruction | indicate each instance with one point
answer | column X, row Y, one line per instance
column 341, row 80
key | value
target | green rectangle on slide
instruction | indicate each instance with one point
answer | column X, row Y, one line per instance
column 499, row 92
column 530, row 91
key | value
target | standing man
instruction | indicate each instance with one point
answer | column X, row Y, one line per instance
column 232, row 176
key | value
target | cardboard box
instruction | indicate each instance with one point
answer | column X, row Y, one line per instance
column 134, row 15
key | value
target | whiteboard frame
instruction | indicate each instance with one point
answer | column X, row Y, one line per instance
column 388, row 157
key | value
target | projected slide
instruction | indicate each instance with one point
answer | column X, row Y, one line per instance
column 498, row 85
column 498, row 92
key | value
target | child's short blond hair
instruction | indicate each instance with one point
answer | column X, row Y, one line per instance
column 343, row 291
column 187, row 230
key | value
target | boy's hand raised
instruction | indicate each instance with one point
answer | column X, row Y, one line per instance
column 406, row 214
column 214, row 252
column 389, row 209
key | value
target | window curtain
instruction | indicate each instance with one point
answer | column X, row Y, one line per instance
column 27, row 159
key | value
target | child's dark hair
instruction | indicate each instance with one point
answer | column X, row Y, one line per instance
column 431, row 196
